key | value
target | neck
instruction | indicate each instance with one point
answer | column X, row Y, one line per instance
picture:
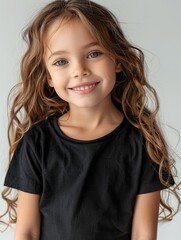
column 93, row 117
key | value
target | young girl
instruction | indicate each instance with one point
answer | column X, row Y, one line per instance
column 87, row 155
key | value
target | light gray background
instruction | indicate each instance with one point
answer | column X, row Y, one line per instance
column 154, row 25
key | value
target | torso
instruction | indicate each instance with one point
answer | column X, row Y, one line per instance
column 87, row 188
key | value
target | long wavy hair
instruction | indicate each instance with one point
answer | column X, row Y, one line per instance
column 34, row 100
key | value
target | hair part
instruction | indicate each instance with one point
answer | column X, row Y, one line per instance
column 36, row 100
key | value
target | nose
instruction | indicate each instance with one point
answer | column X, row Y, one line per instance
column 80, row 69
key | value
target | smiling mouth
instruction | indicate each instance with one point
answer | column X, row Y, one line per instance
column 85, row 87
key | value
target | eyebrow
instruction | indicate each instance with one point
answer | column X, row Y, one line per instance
column 85, row 46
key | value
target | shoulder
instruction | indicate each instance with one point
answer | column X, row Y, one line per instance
column 132, row 134
column 131, row 144
column 44, row 124
column 39, row 134
column 43, row 128
column 37, row 140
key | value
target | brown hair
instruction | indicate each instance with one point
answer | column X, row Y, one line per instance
column 35, row 100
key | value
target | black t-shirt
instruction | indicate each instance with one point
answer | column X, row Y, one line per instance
column 87, row 188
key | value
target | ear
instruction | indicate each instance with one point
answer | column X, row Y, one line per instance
column 118, row 67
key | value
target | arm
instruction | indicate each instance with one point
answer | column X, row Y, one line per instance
column 28, row 218
column 145, row 216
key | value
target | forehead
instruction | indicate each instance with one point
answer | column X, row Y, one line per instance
column 66, row 33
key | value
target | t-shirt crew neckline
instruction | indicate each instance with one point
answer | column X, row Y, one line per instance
column 119, row 128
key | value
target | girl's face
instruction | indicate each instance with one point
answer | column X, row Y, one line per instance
column 79, row 68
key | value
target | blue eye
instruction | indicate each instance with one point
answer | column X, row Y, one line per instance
column 60, row 62
column 94, row 54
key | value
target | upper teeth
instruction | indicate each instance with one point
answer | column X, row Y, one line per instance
column 82, row 88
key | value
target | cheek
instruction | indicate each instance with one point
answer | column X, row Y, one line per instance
column 60, row 91
column 110, row 74
column 104, row 70
column 109, row 68
column 56, row 79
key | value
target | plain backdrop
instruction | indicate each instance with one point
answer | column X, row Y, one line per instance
column 154, row 26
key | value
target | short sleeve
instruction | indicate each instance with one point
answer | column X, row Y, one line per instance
column 149, row 179
column 24, row 172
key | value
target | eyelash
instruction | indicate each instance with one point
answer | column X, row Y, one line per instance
column 97, row 52
column 57, row 63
